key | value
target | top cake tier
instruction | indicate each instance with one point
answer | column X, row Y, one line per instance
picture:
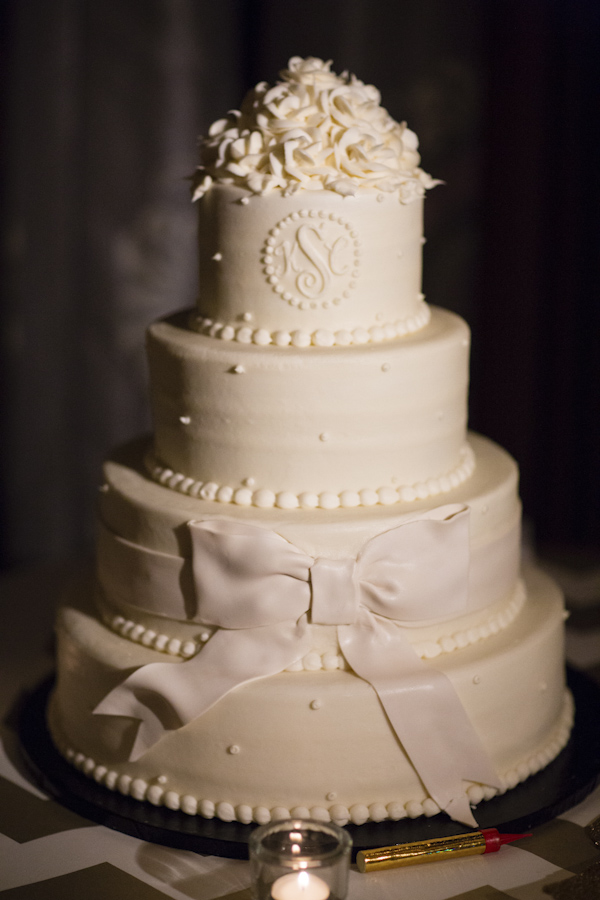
column 310, row 216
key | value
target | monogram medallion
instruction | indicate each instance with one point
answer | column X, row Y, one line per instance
column 312, row 259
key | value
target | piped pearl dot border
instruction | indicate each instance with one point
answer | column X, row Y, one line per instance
column 265, row 498
column 329, row 661
column 158, row 793
column 322, row 337
column 295, row 218
column 139, row 634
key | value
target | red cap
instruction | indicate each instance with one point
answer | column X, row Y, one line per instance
column 494, row 840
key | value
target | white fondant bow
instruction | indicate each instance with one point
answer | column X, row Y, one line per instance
column 262, row 592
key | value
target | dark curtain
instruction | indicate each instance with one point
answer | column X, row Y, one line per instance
column 102, row 103
column 536, row 362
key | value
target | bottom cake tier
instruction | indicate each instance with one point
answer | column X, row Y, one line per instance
column 312, row 743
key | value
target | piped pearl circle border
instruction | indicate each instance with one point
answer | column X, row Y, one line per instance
column 264, row 498
column 158, row 792
column 291, row 220
column 322, row 337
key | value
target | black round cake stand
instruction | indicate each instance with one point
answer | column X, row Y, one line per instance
column 542, row 797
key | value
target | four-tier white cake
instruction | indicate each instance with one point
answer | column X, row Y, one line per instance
column 309, row 596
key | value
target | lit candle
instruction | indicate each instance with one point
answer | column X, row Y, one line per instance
column 299, row 886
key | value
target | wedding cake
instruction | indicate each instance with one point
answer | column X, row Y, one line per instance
column 309, row 598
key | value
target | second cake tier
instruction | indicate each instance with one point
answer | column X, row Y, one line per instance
column 319, row 427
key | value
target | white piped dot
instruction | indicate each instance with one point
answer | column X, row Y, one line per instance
column 312, row 662
column 261, row 337
column 368, row 497
column 323, row 338
column 320, row 814
column 300, row 812
column 154, row 794
column 217, row 257
column 339, row 814
column 396, row 811
column 264, row 499
column 317, row 704
column 378, row 812
column 387, row 496
column 301, row 339
column 286, row 500
column 279, row 813
column 174, row 646
column 414, row 809
column 225, row 812
column 308, row 500
column 189, row 805
column 233, row 749
column 330, row 661
column 139, row 788
column 209, row 491
column 123, row 784
column 359, row 814
column 207, row 809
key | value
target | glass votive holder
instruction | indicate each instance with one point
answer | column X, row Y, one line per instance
column 299, row 859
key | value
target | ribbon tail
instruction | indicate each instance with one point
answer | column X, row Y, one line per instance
column 424, row 711
column 166, row 696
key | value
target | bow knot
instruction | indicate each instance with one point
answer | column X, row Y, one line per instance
column 335, row 595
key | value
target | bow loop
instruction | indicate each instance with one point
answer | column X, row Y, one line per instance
column 247, row 576
column 419, row 571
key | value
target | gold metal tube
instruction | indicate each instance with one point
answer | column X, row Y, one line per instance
column 470, row 844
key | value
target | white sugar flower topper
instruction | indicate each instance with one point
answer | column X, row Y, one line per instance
column 313, row 130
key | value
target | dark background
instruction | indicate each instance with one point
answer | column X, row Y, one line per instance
column 101, row 106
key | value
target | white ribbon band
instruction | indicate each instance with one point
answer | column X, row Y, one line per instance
column 260, row 591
